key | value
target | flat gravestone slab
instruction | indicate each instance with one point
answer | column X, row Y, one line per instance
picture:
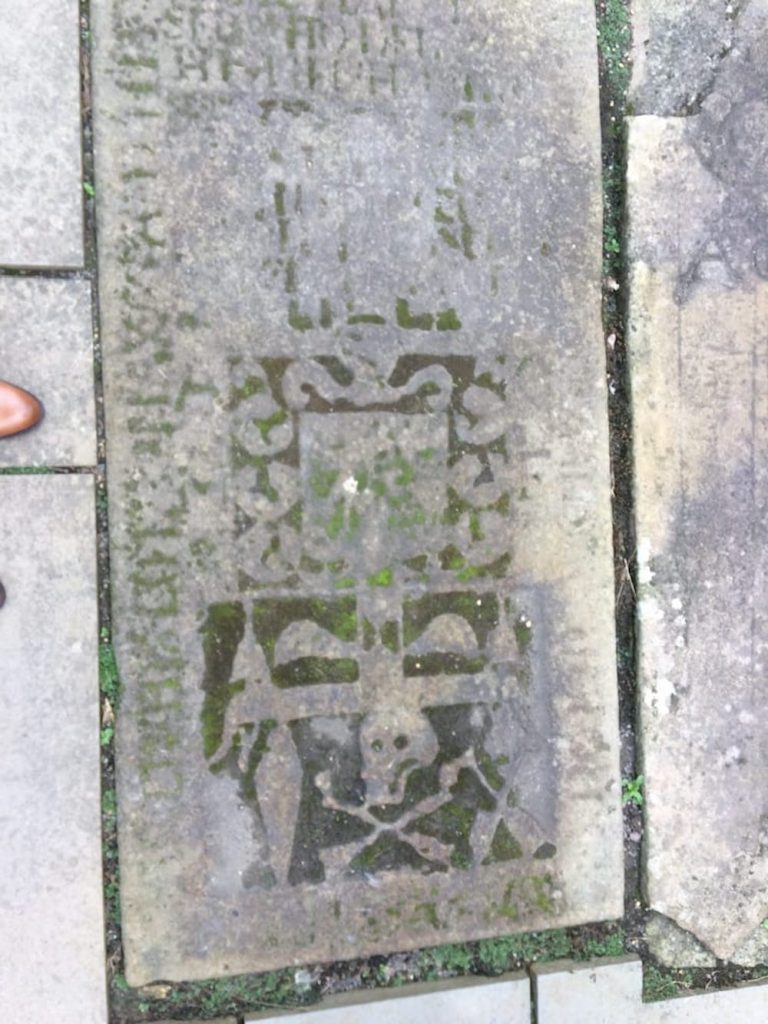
column 461, row 1001
column 359, row 481
column 40, row 157
column 46, row 346
column 51, row 900
column 699, row 306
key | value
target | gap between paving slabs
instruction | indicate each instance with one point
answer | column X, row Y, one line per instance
column 293, row 987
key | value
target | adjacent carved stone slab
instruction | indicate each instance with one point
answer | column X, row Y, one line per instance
column 359, row 484
column 699, row 307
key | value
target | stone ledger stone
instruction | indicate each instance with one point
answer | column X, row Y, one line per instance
column 40, row 161
column 46, row 347
column 51, row 904
column 359, row 486
column 503, row 1001
column 699, row 306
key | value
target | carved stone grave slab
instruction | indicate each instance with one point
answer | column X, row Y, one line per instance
column 698, row 209
column 359, row 488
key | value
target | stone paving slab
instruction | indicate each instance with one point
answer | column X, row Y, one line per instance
column 46, row 346
column 608, row 992
column 698, row 283
column 51, row 909
column 359, row 486
column 40, row 157
column 218, row 1020
column 502, row 1001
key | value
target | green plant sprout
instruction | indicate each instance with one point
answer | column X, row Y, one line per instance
column 632, row 791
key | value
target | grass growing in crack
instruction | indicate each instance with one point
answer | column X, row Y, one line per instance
column 221, row 997
column 613, row 944
column 109, row 679
column 665, row 983
column 613, row 40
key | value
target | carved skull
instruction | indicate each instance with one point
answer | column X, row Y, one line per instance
column 394, row 742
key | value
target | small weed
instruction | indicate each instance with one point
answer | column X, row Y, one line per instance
column 228, row 995
column 498, row 955
column 89, row 189
column 108, row 676
column 105, row 735
column 611, row 945
column 109, row 804
column 112, row 897
column 632, row 791
column 442, row 960
column 657, row 985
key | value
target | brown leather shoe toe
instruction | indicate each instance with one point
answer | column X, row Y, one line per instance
column 18, row 409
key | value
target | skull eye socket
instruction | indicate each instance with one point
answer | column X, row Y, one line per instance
column 378, row 746
column 401, row 742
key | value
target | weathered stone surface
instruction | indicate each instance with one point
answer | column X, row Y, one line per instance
column 46, row 346
column 699, row 304
column 754, row 950
column 679, row 49
column 40, row 162
column 51, row 911
column 605, row 992
column 675, row 947
column 462, row 1001
column 358, row 476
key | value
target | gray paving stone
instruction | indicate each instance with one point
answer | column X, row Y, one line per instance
column 503, row 1001
column 735, row 1006
column 51, row 911
column 699, row 303
column 40, row 158
column 606, row 992
column 603, row 992
column 359, row 488
column 218, row 1020
column 46, row 346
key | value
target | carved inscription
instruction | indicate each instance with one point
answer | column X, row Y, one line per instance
column 357, row 443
